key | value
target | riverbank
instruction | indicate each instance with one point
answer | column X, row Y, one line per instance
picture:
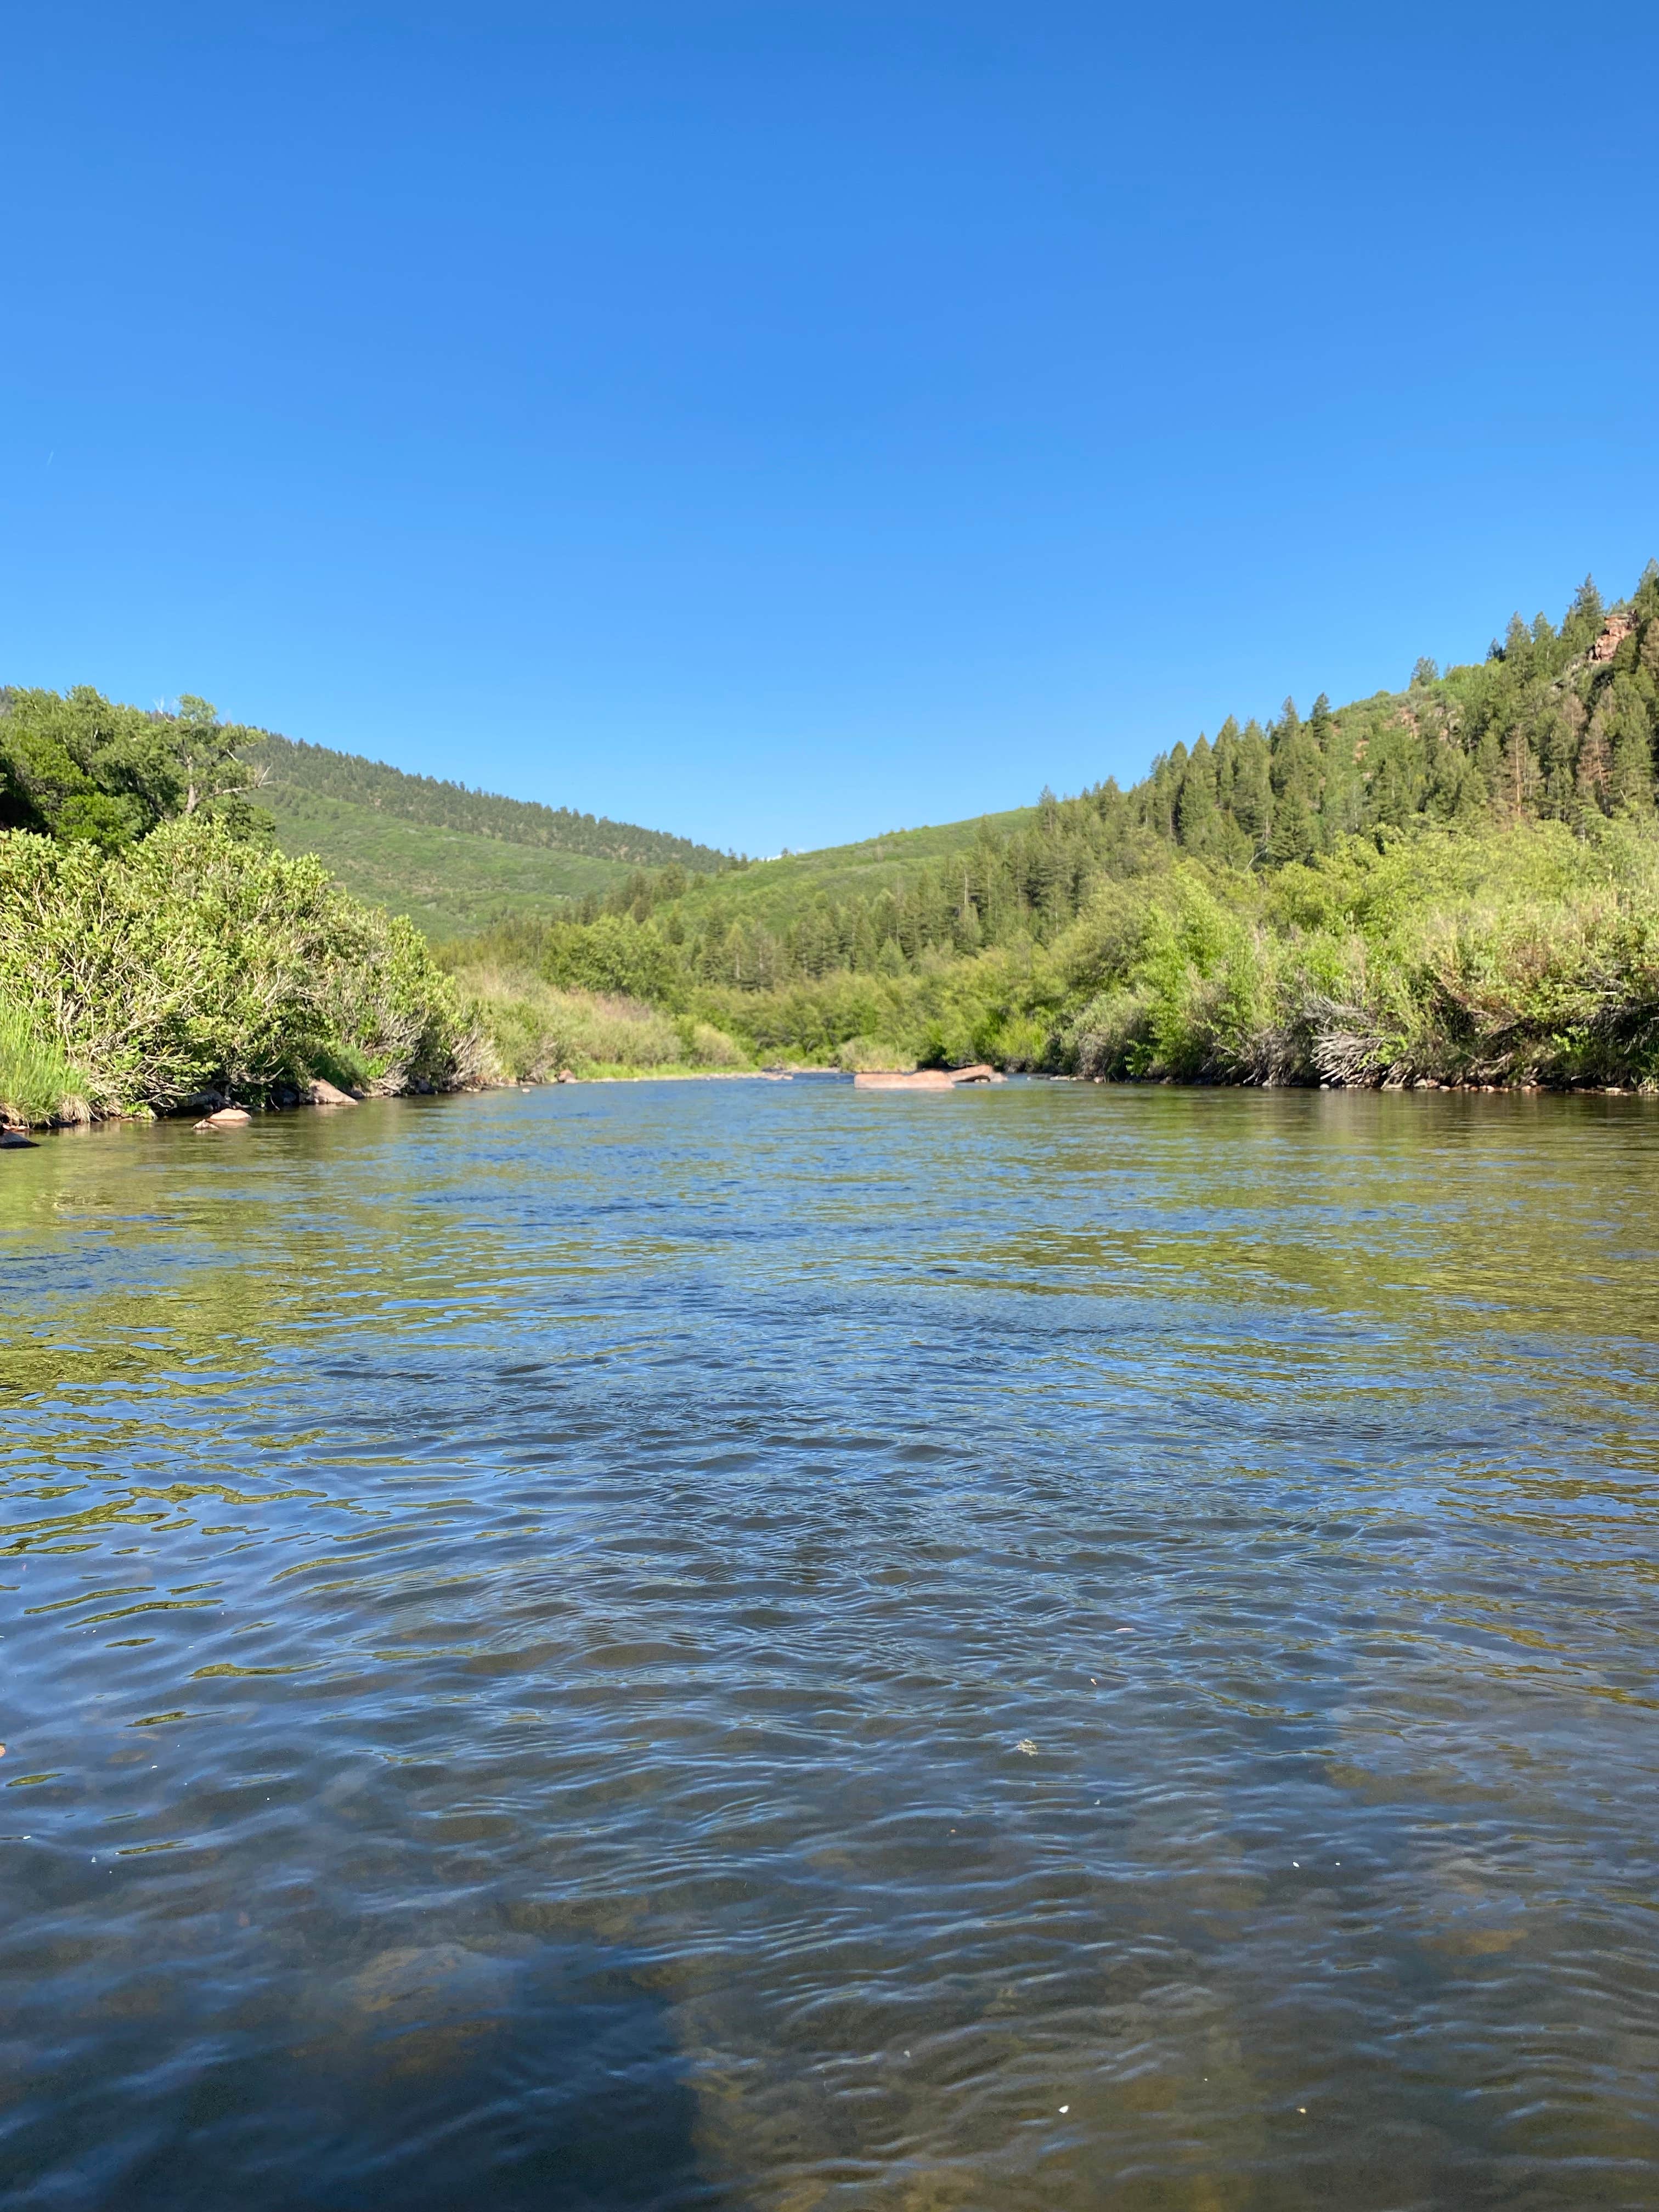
column 195, row 967
column 1509, row 954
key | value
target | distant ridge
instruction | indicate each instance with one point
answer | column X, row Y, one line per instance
column 320, row 771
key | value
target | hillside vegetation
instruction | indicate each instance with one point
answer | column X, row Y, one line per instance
column 1452, row 882
column 81, row 766
column 1457, row 883
column 155, row 950
column 449, row 881
column 452, row 859
column 438, row 805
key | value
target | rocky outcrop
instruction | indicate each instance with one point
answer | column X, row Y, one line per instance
column 1616, row 628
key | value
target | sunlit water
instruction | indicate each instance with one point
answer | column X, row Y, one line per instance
column 762, row 1646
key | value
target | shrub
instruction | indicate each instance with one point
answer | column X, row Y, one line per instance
column 195, row 961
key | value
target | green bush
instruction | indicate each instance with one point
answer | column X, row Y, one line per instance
column 1524, row 954
column 194, row 962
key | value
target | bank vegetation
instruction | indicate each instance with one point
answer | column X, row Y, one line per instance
column 1454, row 884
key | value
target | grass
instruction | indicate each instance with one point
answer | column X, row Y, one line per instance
column 37, row 1085
column 530, row 1030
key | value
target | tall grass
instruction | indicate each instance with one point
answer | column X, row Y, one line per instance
column 37, row 1082
column 529, row 1029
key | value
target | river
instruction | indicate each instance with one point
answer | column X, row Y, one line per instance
column 759, row 1645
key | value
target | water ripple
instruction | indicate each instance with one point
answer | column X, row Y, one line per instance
column 675, row 1645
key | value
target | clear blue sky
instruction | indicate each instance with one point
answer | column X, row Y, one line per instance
column 778, row 422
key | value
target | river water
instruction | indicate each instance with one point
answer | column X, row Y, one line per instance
column 754, row 1645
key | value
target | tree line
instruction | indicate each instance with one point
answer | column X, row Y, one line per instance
column 1558, row 723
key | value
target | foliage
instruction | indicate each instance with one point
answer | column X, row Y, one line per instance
column 1557, row 724
column 80, row 769
column 319, row 770
column 529, row 1029
column 193, row 961
column 1522, row 954
column 1518, row 952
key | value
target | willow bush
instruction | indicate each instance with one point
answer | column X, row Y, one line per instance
column 195, row 961
column 1524, row 954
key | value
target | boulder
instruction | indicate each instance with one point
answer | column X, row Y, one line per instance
column 227, row 1117
column 322, row 1092
column 895, row 1078
column 14, row 1140
column 982, row 1071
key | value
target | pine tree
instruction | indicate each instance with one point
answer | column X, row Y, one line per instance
column 1560, row 726
column 1252, row 794
column 1630, row 776
column 1593, row 776
column 1196, row 814
column 1584, row 618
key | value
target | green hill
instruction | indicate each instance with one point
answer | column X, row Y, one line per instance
column 79, row 766
column 322, row 772
column 450, row 881
column 773, row 892
column 454, row 860
column 1558, row 723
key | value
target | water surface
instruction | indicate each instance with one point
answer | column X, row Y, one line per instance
column 763, row 1646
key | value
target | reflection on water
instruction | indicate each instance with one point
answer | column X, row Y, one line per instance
column 769, row 1646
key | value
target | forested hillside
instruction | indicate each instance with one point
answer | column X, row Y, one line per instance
column 1558, row 723
column 1456, row 883
column 294, row 766
column 79, row 767
column 450, row 881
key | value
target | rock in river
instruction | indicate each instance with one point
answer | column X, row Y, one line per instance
column 895, row 1078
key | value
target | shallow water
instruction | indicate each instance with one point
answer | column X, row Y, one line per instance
column 762, row 1646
